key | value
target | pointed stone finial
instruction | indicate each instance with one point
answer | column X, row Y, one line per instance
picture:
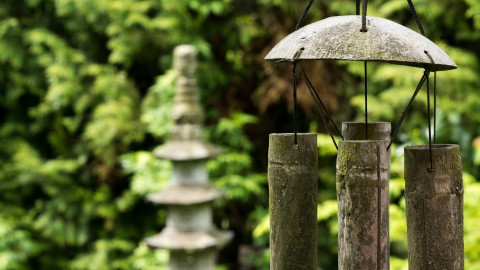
column 185, row 60
column 187, row 112
column 189, row 235
column 186, row 140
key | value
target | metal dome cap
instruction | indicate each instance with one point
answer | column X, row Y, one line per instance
column 340, row 38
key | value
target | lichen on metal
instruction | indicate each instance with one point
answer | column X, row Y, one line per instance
column 340, row 38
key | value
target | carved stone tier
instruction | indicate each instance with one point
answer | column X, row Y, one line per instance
column 174, row 240
column 185, row 195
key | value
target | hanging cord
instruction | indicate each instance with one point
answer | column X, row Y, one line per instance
column 294, row 76
column 364, row 29
column 366, row 101
column 357, row 10
column 402, row 117
column 430, row 170
column 317, row 99
column 415, row 16
column 294, row 68
column 435, row 107
column 320, row 105
column 304, row 14
column 364, row 16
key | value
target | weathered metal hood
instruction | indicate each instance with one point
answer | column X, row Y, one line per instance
column 339, row 38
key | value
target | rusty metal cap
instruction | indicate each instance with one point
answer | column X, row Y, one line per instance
column 339, row 38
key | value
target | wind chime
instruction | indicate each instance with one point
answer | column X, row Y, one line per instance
column 433, row 192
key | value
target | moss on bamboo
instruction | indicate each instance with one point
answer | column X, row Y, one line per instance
column 360, row 207
column 292, row 177
column 434, row 202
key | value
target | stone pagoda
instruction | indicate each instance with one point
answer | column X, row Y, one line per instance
column 189, row 235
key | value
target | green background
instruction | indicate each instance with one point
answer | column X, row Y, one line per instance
column 86, row 91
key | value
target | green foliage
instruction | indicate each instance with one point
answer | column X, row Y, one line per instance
column 157, row 118
column 69, row 120
column 86, row 91
column 471, row 229
column 148, row 173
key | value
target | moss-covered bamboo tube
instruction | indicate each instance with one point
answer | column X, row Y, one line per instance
column 362, row 193
column 292, row 181
column 434, row 201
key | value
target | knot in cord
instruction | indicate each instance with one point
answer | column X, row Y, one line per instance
column 364, row 16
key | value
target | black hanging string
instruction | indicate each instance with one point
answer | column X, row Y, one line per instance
column 428, row 115
column 304, row 14
column 294, row 76
column 429, row 125
column 320, row 105
column 364, row 29
column 415, row 16
column 366, row 101
column 402, row 117
column 357, row 7
column 435, row 107
column 317, row 98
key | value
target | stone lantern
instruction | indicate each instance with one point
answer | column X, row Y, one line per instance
column 189, row 235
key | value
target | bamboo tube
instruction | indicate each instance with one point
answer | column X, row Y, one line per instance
column 434, row 201
column 293, row 180
column 362, row 192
